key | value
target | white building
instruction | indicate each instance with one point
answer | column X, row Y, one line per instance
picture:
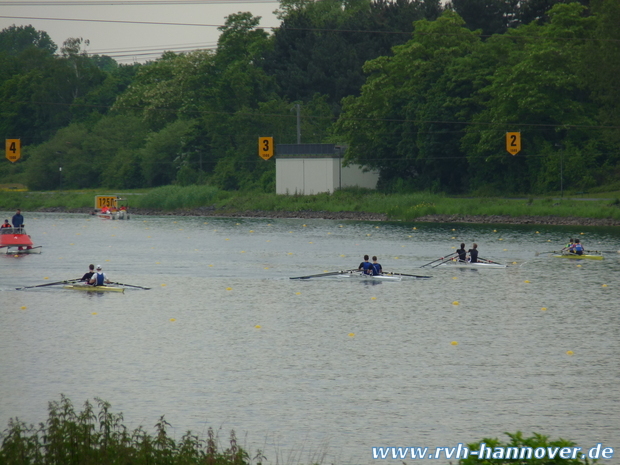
column 308, row 169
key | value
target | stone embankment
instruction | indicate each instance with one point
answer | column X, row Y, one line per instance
column 362, row 216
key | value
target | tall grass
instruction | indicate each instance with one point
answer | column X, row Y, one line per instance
column 100, row 438
column 406, row 207
column 178, row 197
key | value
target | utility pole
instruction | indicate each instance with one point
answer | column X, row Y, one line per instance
column 298, row 108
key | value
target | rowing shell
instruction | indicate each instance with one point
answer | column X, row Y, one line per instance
column 476, row 265
column 579, row 257
column 89, row 288
column 369, row 277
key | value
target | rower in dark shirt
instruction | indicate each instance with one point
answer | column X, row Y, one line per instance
column 473, row 254
column 462, row 253
column 89, row 274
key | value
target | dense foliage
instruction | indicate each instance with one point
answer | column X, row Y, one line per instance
column 424, row 93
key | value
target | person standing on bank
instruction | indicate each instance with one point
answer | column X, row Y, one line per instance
column 99, row 278
column 18, row 219
column 473, row 254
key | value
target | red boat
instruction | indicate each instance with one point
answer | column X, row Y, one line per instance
column 16, row 238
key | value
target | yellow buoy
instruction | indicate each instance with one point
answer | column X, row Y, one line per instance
column 455, row 302
column 257, row 326
column 266, row 268
column 351, row 334
column 94, row 313
column 173, row 319
column 537, row 232
column 251, row 230
column 454, row 277
column 297, row 293
column 163, row 285
column 514, row 263
column 24, row 307
column 570, row 352
column 229, row 288
column 604, row 285
column 578, row 266
column 544, row 309
column 495, row 230
column 47, row 277
column 373, row 298
column 415, row 228
column 304, row 225
column 210, row 265
column 454, row 343
column 526, row 281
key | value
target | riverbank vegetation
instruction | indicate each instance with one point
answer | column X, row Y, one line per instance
column 404, row 207
column 91, row 437
column 422, row 91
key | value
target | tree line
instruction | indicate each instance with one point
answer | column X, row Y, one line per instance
column 424, row 93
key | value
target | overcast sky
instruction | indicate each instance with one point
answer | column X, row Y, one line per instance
column 113, row 26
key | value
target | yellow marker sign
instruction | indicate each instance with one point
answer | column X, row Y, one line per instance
column 13, row 150
column 105, row 201
column 513, row 142
column 265, row 147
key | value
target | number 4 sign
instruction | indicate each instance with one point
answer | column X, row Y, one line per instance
column 513, row 142
column 13, row 150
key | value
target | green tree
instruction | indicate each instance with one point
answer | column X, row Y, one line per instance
column 538, row 93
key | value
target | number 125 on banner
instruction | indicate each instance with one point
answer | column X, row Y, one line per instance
column 513, row 142
column 265, row 147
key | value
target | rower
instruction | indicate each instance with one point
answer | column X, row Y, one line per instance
column 569, row 246
column 99, row 278
column 365, row 266
column 473, row 254
column 577, row 247
column 377, row 269
column 462, row 253
column 6, row 224
column 89, row 274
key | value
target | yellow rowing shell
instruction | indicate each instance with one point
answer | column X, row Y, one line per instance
column 89, row 288
column 579, row 257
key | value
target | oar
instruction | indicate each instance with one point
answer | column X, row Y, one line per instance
column 392, row 273
column 331, row 273
column 603, row 251
column 440, row 263
column 454, row 253
column 49, row 284
column 550, row 251
column 489, row 261
column 131, row 285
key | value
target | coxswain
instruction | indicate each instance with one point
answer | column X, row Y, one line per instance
column 473, row 254
column 99, row 278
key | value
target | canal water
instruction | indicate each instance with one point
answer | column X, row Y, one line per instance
column 317, row 370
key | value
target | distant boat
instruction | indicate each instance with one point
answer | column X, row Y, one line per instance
column 17, row 241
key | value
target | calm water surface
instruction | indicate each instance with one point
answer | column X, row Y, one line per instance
column 316, row 369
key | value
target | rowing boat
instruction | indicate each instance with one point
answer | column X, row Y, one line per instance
column 368, row 277
column 477, row 265
column 579, row 257
column 16, row 240
column 90, row 288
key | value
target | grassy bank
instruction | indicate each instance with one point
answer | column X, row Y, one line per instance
column 406, row 207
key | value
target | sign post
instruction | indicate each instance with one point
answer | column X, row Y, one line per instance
column 513, row 142
column 265, row 147
column 13, row 150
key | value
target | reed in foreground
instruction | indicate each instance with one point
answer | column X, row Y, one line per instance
column 99, row 438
